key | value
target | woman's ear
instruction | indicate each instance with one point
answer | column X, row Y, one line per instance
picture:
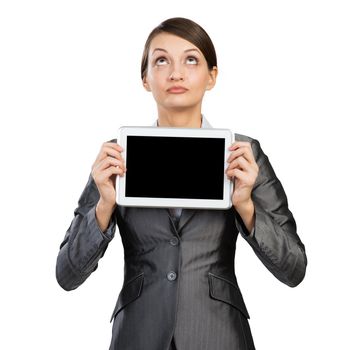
column 213, row 73
column 145, row 84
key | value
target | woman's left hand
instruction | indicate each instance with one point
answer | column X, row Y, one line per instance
column 243, row 170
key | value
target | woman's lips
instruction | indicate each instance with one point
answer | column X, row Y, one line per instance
column 177, row 90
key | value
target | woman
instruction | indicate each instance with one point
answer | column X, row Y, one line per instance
column 180, row 290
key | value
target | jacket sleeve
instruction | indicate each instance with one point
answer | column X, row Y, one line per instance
column 84, row 242
column 274, row 237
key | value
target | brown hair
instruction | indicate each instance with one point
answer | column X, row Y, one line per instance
column 186, row 29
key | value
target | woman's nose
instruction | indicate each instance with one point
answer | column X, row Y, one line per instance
column 175, row 77
column 176, row 74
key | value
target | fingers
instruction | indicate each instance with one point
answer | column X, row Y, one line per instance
column 241, row 148
column 238, row 173
column 238, row 144
column 109, row 150
column 113, row 145
column 102, row 176
column 240, row 163
column 107, row 170
column 241, row 160
column 110, row 161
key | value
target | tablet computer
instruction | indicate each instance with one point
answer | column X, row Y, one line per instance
column 174, row 167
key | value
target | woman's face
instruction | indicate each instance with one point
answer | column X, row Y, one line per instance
column 174, row 61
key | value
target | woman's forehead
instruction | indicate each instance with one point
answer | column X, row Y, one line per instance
column 167, row 42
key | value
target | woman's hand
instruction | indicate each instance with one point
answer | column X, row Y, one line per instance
column 108, row 164
column 243, row 170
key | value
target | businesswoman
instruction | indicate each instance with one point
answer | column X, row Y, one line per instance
column 180, row 289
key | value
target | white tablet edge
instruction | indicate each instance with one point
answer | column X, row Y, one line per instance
column 174, row 202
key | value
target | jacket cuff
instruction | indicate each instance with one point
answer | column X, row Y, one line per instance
column 110, row 230
column 89, row 242
column 241, row 226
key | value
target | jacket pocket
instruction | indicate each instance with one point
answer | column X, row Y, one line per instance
column 130, row 291
column 222, row 289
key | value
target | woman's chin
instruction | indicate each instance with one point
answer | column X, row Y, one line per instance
column 180, row 104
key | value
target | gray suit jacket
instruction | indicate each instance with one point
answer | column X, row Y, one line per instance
column 180, row 281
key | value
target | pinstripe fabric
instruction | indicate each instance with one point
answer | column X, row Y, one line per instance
column 179, row 280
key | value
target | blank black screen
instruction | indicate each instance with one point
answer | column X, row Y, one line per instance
column 175, row 167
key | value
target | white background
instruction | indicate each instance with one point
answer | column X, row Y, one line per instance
column 70, row 77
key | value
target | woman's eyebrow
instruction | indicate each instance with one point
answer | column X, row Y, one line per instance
column 191, row 50
column 160, row 49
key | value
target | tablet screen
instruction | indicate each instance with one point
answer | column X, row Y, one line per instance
column 175, row 167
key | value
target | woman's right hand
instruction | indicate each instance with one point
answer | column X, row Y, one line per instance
column 108, row 164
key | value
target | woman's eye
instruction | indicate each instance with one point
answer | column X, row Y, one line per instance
column 160, row 60
column 194, row 59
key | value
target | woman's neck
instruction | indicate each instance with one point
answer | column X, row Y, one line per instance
column 180, row 119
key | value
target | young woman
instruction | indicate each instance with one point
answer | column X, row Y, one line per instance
column 180, row 290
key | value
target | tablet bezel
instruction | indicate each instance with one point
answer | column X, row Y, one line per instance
column 125, row 131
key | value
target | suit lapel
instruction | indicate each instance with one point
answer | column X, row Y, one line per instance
column 186, row 215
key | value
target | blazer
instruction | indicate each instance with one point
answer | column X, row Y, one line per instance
column 179, row 281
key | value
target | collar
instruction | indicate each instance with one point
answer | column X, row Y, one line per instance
column 205, row 123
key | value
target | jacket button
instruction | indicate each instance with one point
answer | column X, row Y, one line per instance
column 174, row 241
column 171, row 276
